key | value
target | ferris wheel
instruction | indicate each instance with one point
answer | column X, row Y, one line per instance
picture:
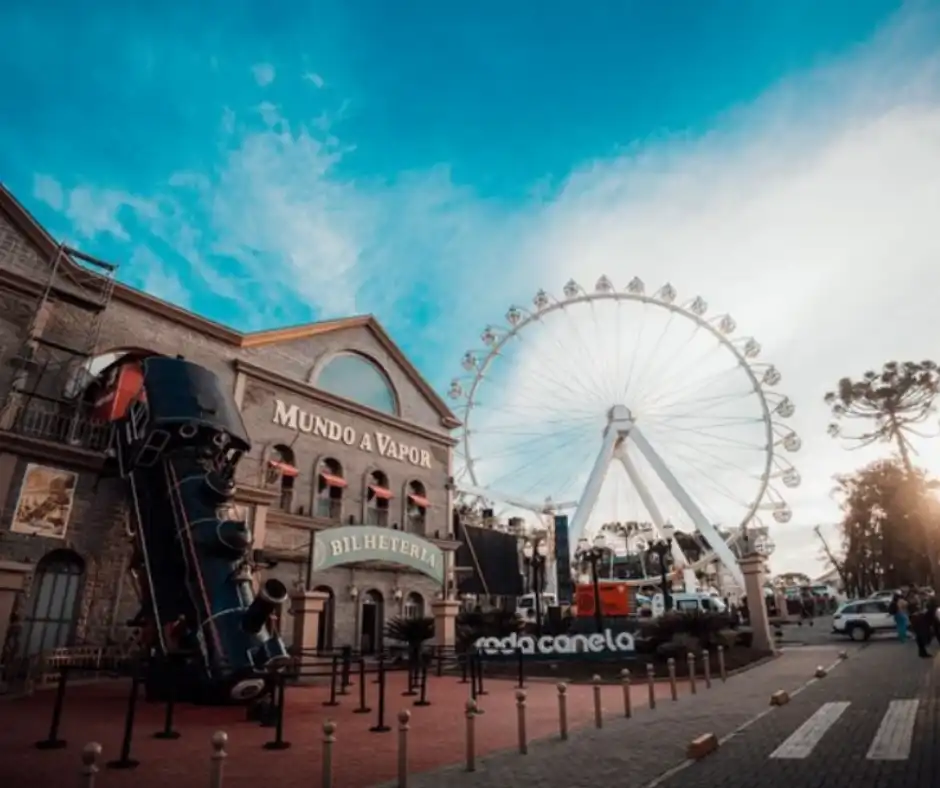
column 622, row 405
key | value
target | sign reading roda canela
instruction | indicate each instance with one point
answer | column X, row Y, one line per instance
column 353, row 543
column 292, row 417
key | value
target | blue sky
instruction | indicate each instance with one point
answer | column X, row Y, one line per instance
column 434, row 162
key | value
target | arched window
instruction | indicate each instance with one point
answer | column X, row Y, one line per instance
column 358, row 379
column 327, row 620
column 330, row 487
column 378, row 499
column 53, row 605
column 282, row 472
column 414, row 606
column 416, row 508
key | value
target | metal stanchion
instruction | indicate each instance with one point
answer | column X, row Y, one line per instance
column 423, row 698
column 598, row 710
column 480, row 690
column 125, row 761
column 346, row 682
column 520, row 668
column 168, row 733
column 721, row 664
column 414, row 666
column 563, row 711
column 89, row 772
column 440, row 661
column 471, row 715
column 520, row 718
column 673, row 687
column 464, row 661
column 403, row 718
column 691, row 659
column 52, row 741
column 363, row 708
column 278, row 742
column 334, row 676
column 707, row 668
column 217, row 761
column 627, row 700
column 329, row 740
column 380, row 726
column 651, row 684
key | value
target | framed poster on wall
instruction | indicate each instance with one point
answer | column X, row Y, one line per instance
column 45, row 503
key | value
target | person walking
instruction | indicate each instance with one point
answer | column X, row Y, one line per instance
column 898, row 609
column 923, row 614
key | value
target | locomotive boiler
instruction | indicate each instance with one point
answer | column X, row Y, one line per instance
column 178, row 438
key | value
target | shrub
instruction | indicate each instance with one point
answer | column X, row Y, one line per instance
column 704, row 627
column 474, row 624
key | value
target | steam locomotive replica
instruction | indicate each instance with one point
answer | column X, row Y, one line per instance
column 177, row 439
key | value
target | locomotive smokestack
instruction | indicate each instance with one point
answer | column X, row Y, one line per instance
column 272, row 595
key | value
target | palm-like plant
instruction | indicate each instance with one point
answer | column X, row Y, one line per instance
column 413, row 632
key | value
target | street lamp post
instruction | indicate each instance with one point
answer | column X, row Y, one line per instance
column 662, row 549
column 534, row 557
column 594, row 554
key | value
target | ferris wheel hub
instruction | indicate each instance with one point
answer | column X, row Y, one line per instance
column 621, row 415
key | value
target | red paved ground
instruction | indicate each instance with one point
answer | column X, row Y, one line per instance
column 95, row 713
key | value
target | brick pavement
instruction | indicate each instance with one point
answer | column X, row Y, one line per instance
column 637, row 751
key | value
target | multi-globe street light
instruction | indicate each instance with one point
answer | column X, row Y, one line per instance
column 593, row 554
column 662, row 549
column 534, row 557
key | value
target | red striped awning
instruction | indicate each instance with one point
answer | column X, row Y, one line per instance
column 333, row 481
column 285, row 468
column 419, row 500
column 381, row 492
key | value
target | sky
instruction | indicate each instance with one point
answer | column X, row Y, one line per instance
column 434, row 163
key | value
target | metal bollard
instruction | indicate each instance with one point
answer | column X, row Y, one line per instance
column 627, row 701
column 721, row 664
column 404, row 717
column 598, row 711
column 217, row 761
column 329, row 740
column 651, row 684
column 520, row 713
column 563, row 710
column 707, row 668
column 471, row 714
column 692, row 686
column 671, row 665
column 90, row 756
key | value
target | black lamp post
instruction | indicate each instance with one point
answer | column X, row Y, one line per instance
column 594, row 554
column 534, row 556
column 662, row 549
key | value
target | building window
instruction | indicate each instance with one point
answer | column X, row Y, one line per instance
column 416, row 508
column 358, row 379
column 414, row 606
column 282, row 472
column 53, row 606
column 378, row 499
column 330, row 487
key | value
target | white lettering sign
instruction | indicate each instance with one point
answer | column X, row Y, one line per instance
column 293, row 418
column 559, row 644
column 347, row 546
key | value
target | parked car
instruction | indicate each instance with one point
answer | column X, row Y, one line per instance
column 860, row 620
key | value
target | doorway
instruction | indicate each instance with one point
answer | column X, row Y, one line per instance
column 372, row 623
column 325, row 623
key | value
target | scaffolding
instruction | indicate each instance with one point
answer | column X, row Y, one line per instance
column 52, row 367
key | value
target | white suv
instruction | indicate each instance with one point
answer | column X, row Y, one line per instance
column 860, row 620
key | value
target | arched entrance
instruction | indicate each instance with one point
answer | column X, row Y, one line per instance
column 372, row 622
column 327, row 620
column 52, row 610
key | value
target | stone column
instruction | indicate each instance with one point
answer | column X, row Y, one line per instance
column 12, row 582
column 306, row 607
column 752, row 566
column 445, row 617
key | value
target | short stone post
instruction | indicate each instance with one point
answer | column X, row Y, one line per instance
column 217, row 761
column 707, row 668
column 90, row 756
column 598, row 710
column 721, row 664
column 563, row 710
column 671, row 667
column 471, row 714
column 691, row 659
column 627, row 701
column 520, row 715
column 651, row 684
column 329, row 740
column 404, row 717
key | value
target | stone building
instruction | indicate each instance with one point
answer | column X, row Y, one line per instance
column 345, row 431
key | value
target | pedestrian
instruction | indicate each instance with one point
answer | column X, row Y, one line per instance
column 922, row 614
column 898, row 609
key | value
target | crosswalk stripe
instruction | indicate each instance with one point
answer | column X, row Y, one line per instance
column 893, row 740
column 801, row 742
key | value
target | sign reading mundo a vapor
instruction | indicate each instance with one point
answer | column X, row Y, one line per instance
column 597, row 644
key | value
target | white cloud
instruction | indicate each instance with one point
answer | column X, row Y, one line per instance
column 156, row 278
column 264, row 73
column 315, row 78
column 48, row 190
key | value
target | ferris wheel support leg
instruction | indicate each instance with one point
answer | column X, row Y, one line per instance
column 705, row 528
column 594, row 483
column 649, row 502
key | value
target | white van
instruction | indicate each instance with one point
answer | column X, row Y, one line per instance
column 684, row 602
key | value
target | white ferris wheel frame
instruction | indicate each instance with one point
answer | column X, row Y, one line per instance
column 622, row 430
